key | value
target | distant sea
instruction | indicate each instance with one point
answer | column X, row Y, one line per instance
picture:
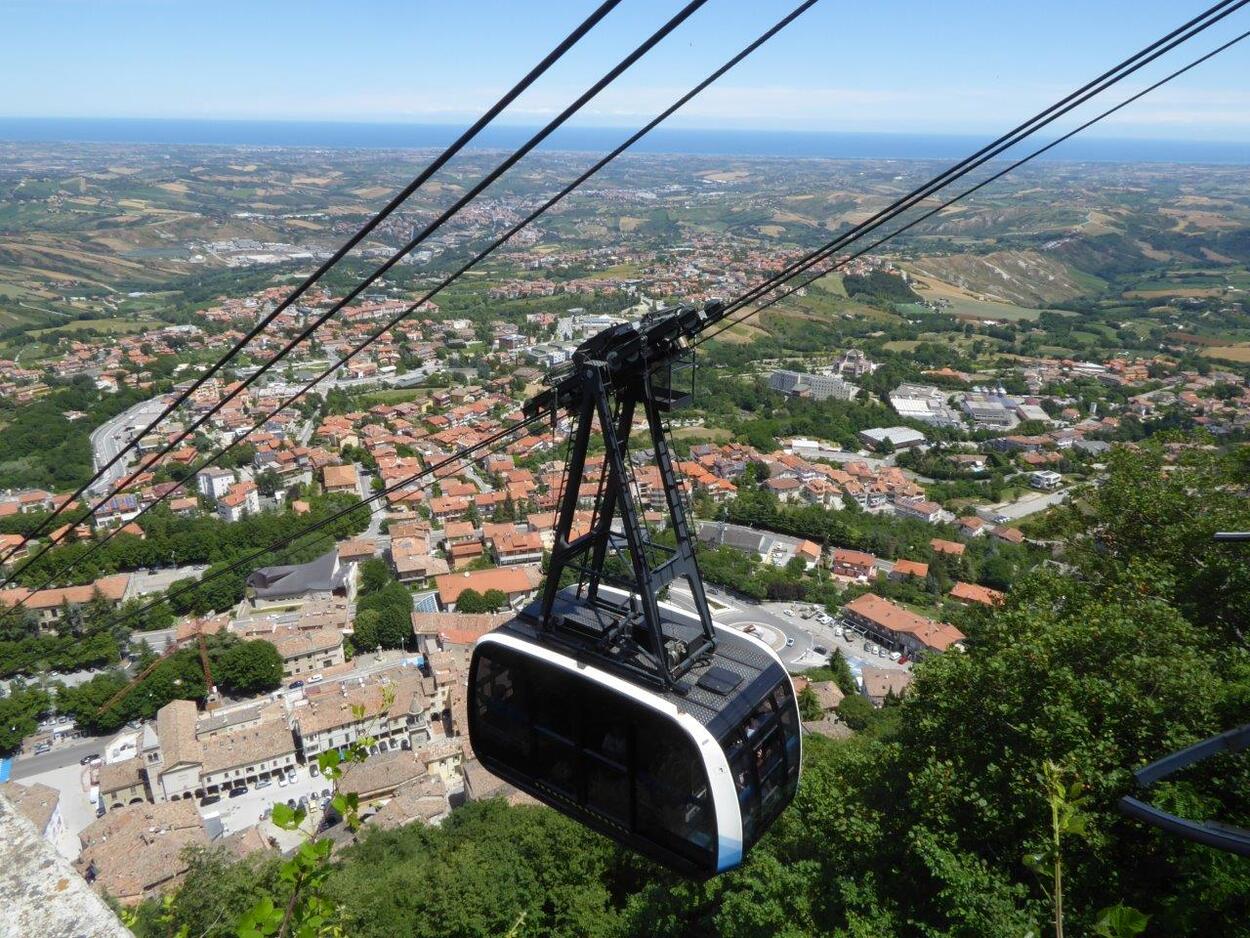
column 782, row 143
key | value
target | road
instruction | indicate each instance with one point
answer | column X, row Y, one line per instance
column 110, row 438
column 62, row 755
column 806, row 633
column 142, row 582
column 1027, row 504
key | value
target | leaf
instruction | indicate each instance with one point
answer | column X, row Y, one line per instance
column 1120, row 921
column 283, row 815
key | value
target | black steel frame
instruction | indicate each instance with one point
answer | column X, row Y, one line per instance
column 605, row 388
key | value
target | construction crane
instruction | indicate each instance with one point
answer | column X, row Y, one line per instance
column 173, row 647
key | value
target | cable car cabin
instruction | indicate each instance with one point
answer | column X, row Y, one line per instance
column 690, row 777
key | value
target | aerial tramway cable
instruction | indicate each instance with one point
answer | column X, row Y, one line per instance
column 615, row 72
column 433, row 470
column 995, row 148
column 441, row 160
column 425, row 233
column 508, row 235
column 980, row 185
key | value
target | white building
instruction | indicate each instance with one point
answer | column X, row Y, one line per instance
column 213, row 482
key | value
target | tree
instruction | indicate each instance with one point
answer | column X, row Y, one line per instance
column 809, row 705
column 374, row 574
column 471, row 601
column 842, row 675
column 249, row 668
column 365, row 629
column 855, row 711
column 494, row 600
column 20, row 713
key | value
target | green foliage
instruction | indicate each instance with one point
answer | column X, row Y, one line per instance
column 21, row 709
column 374, row 574
column 41, row 447
column 856, row 712
column 809, row 705
column 386, row 609
column 249, row 668
column 919, row 824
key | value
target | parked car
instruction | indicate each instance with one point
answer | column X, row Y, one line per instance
column 838, row 632
column 264, row 783
column 43, row 747
column 88, row 759
column 895, row 656
column 313, row 770
column 749, row 629
column 99, row 812
column 282, row 782
column 325, row 793
column 236, row 792
column 295, row 685
column 303, row 801
column 209, row 799
column 290, row 802
column 315, row 679
column 820, row 650
column 290, row 775
column 789, row 612
column 880, row 652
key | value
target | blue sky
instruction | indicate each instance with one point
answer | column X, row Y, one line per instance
column 956, row 66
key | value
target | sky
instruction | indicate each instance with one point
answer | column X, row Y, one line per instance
column 905, row 66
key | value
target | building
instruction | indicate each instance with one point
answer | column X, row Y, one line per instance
column 918, row 508
column 878, row 684
column 949, row 548
column 517, row 583
column 896, row 438
column 1046, row 480
column 304, row 651
column 123, row 783
column 972, row 593
column 413, row 560
column 817, row 387
column 136, row 851
column 517, row 547
column 326, row 577
column 852, row 563
column 899, row 629
column 242, row 499
column 340, row 479
column 925, row 403
column 330, row 719
column 38, row 803
column 769, row 547
column 229, row 750
column 905, row 568
column 213, row 482
column 49, row 605
column 454, row 632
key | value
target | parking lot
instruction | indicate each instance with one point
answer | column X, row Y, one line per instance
column 256, row 804
column 824, row 636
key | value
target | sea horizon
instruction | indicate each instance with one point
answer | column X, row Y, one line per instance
column 688, row 141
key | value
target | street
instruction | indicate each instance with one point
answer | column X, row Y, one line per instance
column 60, row 756
column 1027, row 504
column 805, row 633
column 110, row 438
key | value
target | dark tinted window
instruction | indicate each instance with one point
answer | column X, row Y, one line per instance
column 590, row 747
column 501, row 715
column 674, row 804
column 763, row 755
